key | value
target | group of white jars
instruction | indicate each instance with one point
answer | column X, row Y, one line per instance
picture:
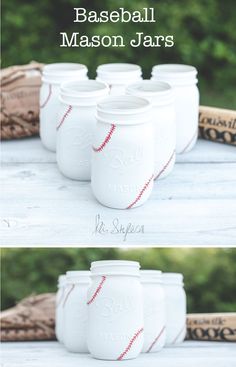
column 119, row 131
column 115, row 311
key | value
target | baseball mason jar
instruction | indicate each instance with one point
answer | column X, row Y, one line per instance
column 59, row 307
column 76, row 126
column 154, row 311
column 118, row 76
column 160, row 95
column 123, row 152
column 183, row 80
column 175, row 308
column 115, row 310
column 53, row 76
column 75, row 311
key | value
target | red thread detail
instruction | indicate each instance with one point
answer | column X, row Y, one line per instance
column 127, row 349
column 176, row 338
column 106, row 140
column 64, row 116
column 193, row 137
column 48, row 97
column 165, row 166
column 141, row 192
column 97, row 290
column 155, row 340
column 69, row 292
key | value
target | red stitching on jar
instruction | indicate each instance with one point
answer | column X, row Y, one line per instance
column 165, row 166
column 64, row 116
column 193, row 137
column 127, row 349
column 48, row 97
column 106, row 140
column 156, row 339
column 97, row 290
column 141, row 193
column 69, row 292
column 176, row 338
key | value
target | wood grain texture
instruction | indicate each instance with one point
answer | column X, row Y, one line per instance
column 189, row 354
column 195, row 205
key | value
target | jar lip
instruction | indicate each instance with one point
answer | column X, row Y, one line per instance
column 116, row 263
column 179, row 70
column 123, row 105
column 150, row 87
column 83, row 89
column 63, row 67
column 115, row 267
column 172, row 278
column 119, row 68
column 151, row 276
column 77, row 274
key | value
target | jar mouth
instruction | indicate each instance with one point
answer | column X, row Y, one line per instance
column 151, row 276
column 77, row 273
column 58, row 72
column 123, row 105
column 175, row 73
column 83, row 88
column 63, row 67
column 119, row 68
column 119, row 73
column 115, row 267
column 172, row 278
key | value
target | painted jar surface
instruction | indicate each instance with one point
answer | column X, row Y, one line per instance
column 59, row 307
column 115, row 310
column 123, row 152
column 175, row 308
column 53, row 76
column 76, row 126
column 160, row 95
column 183, row 80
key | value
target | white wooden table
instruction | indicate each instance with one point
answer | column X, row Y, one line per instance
column 189, row 354
column 195, row 205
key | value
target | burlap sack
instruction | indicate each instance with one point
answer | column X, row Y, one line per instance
column 20, row 87
column 32, row 319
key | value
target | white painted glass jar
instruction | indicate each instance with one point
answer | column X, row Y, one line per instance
column 59, row 307
column 175, row 308
column 160, row 95
column 118, row 76
column 76, row 311
column 123, row 152
column 115, row 310
column 53, row 76
column 183, row 80
column 76, row 126
column 154, row 311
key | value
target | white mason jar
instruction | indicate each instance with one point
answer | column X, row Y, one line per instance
column 175, row 308
column 118, row 76
column 183, row 80
column 154, row 311
column 59, row 307
column 115, row 310
column 76, row 126
column 160, row 95
column 53, row 76
column 75, row 311
column 123, row 152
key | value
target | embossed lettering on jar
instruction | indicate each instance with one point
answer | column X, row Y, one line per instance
column 175, row 308
column 183, row 80
column 53, row 76
column 160, row 95
column 75, row 311
column 59, row 308
column 115, row 310
column 123, row 152
column 154, row 311
column 76, row 126
column 118, row 76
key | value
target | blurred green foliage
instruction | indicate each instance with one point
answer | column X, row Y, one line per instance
column 204, row 33
column 209, row 273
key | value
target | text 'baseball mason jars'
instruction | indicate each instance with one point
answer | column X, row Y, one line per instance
column 53, row 76
column 76, row 126
column 115, row 309
column 160, row 95
column 75, row 311
column 59, row 307
column 118, row 76
column 175, row 308
column 154, row 311
column 123, row 152
column 183, row 80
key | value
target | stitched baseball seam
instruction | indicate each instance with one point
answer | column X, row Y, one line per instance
column 69, row 292
column 176, row 338
column 106, row 140
column 97, row 291
column 156, row 339
column 193, row 137
column 141, row 193
column 129, row 346
column 165, row 166
column 64, row 116
column 48, row 97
